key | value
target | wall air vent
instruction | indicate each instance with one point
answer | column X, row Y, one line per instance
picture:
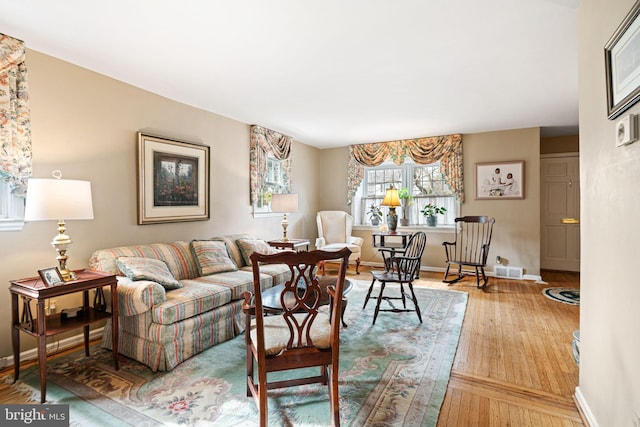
column 509, row 272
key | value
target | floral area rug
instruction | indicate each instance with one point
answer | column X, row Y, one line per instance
column 564, row 295
column 392, row 373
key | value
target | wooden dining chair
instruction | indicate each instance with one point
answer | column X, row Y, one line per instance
column 402, row 268
column 303, row 335
column 471, row 247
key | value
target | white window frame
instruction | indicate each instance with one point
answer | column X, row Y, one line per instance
column 361, row 203
column 11, row 209
column 273, row 184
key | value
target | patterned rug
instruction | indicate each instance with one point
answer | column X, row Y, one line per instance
column 394, row 373
column 564, row 295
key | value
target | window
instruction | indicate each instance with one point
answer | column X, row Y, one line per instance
column 11, row 209
column 273, row 184
column 425, row 183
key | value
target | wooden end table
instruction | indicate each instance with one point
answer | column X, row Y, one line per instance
column 293, row 244
column 43, row 326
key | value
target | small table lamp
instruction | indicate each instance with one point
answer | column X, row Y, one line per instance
column 285, row 203
column 391, row 200
column 59, row 199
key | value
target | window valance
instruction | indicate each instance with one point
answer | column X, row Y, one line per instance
column 262, row 143
column 15, row 121
column 446, row 149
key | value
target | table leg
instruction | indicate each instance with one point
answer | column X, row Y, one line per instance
column 42, row 350
column 114, row 324
column 85, row 306
column 15, row 336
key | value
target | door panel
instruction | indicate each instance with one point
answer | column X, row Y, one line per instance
column 560, row 213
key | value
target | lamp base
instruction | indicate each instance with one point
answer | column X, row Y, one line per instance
column 392, row 219
column 285, row 224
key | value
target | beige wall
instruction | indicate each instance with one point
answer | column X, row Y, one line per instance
column 517, row 230
column 560, row 144
column 610, row 294
column 85, row 124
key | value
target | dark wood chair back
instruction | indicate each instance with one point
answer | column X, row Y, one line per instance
column 471, row 247
column 303, row 334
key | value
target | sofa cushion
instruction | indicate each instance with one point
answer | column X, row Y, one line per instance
column 249, row 246
column 212, row 257
column 234, row 251
column 136, row 268
column 193, row 298
column 176, row 255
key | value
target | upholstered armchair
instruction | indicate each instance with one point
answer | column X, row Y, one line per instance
column 334, row 233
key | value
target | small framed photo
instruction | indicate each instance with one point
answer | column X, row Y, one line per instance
column 51, row 276
column 500, row 180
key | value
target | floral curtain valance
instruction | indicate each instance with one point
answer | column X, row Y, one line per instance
column 262, row 143
column 15, row 121
column 447, row 149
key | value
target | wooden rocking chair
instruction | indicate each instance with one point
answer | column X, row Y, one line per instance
column 471, row 247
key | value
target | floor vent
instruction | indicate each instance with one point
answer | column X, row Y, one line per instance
column 509, row 272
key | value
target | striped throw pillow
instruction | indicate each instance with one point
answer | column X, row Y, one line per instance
column 212, row 257
column 147, row 269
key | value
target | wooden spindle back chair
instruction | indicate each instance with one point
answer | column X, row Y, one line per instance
column 471, row 247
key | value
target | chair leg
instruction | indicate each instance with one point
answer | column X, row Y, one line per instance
column 375, row 314
column 415, row 302
column 457, row 279
column 366, row 299
column 249, row 370
column 485, row 279
column 404, row 299
column 334, row 399
column 263, row 408
column 358, row 265
column 477, row 278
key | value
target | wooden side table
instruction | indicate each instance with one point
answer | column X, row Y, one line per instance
column 390, row 242
column 294, row 244
column 44, row 326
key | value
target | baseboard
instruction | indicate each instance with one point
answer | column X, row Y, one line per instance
column 58, row 345
column 532, row 277
column 584, row 409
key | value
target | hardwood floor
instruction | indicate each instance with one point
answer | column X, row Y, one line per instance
column 513, row 366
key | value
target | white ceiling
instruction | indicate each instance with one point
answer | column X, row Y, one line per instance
column 332, row 72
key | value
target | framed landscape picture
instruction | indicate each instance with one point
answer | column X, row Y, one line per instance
column 500, row 180
column 173, row 180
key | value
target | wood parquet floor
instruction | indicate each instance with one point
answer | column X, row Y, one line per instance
column 513, row 365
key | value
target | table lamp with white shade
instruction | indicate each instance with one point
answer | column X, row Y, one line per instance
column 59, row 200
column 285, row 203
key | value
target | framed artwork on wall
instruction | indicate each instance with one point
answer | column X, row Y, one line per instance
column 500, row 180
column 173, row 180
column 622, row 65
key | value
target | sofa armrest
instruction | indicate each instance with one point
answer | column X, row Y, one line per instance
column 136, row 297
column 353, row 240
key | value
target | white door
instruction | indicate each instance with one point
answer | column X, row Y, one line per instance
column 560, row 213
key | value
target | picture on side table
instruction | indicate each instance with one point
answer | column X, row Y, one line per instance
column 173, row 180
column 500, row 180
column 51, row 276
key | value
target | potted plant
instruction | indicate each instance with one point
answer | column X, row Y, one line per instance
column 430, row 211
column 406, row 199
column 375, row 214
